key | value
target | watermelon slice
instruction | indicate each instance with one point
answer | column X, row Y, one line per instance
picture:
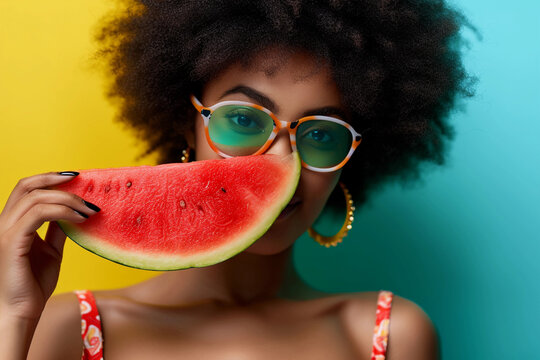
column 177, row 216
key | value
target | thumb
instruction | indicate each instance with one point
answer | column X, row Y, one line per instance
column 55, row 237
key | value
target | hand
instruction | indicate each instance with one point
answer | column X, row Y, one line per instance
column 29, row 265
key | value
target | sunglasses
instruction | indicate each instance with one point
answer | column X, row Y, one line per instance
column 239, row 128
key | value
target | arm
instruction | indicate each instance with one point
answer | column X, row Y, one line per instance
column 29, row 265
column 16, row 336
column 412, row 335
column 58, row 333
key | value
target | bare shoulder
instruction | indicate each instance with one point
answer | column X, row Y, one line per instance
column 412, row 334
column 58, row 334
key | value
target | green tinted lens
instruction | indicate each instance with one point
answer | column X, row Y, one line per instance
column 323, row 143
column 238, row 130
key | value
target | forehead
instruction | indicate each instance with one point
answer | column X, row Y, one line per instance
column 283, row 75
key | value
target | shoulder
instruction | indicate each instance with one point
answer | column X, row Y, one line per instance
column 58, row 334
column 411, row 335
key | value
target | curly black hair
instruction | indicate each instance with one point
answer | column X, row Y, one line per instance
column 397, row 63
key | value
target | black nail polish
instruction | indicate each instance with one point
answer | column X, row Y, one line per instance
column 91, row 206
column 68, row 173
column 83, row 215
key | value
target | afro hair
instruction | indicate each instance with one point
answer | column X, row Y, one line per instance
column 397, row 63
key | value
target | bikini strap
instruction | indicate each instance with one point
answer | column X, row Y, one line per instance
column 382, row 322
column 90, row 326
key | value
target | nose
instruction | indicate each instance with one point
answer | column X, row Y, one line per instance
column 281, row 144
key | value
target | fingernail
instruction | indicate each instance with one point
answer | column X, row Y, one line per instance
column 91, row 206
column 68, row 173
column 83, row 215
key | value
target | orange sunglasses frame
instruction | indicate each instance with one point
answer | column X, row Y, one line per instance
column 206, row 113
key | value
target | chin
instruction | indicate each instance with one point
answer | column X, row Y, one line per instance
column 268, row 245
column 283, row 233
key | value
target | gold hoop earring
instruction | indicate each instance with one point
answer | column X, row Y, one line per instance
column 185, row 155
column 347, row 225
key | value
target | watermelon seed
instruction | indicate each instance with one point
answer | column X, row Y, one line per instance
column 139, row 220
column 199, row 207
column 128, row 184
column 90, row 188
column 222, row 189
column 107, row 189
column 182, row 204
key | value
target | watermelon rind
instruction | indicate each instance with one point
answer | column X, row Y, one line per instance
column 167, row 262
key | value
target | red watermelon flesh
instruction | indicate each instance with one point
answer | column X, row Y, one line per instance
column 176, row 216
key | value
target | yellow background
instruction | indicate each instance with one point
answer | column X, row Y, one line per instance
column 54, row 116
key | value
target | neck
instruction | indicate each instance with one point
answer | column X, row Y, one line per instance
column 245, row 278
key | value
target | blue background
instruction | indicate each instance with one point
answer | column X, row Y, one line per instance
column 464, row 243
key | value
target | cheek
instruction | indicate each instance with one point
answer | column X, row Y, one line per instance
column 316, row 188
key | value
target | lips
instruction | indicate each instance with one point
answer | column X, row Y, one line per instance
column 290, row 207
column 295, row 200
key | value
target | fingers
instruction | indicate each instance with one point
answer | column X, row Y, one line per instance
column 41, row 196
column 29, row 266
column 55, row 237
column 26, row 185
column 22, row 232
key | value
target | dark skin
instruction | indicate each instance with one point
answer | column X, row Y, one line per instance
column 252, row 306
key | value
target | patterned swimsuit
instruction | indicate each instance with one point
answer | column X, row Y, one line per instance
column 93, row 339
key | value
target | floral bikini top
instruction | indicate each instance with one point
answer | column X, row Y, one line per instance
column 93, row 338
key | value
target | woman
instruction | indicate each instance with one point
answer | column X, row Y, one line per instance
column 390, row 70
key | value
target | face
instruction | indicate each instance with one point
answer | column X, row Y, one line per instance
column 291, row 94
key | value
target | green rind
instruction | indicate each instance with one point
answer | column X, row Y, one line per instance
column 166, row 262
